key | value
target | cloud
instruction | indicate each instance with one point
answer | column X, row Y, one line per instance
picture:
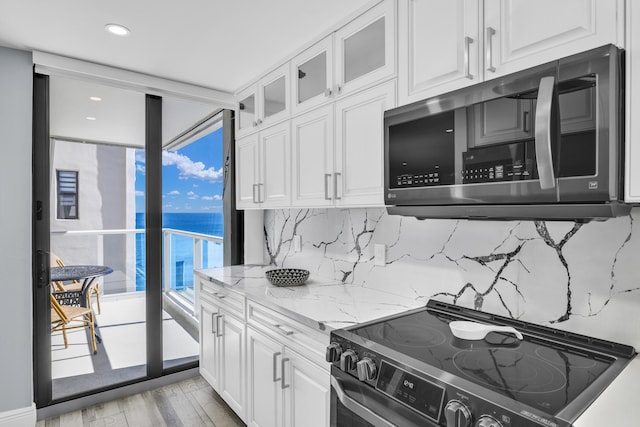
column 141, row 168
column 140, row 156
column 214, row 197
column 173, row 193
column 191, row 193
column 190, row 169
column 217, row 197
column 139, row 193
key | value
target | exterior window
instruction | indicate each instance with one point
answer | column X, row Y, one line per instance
column 67, row 194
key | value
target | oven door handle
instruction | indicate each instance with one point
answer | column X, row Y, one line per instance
column 357, row 408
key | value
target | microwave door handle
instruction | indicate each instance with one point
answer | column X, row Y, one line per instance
column 356, row 407
column 544, row 121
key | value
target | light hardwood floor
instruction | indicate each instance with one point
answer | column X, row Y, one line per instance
column 188, row 403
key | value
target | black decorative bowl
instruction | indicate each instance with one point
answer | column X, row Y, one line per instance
column 287, row 276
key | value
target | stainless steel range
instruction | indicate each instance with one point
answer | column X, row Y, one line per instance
column 410, row 370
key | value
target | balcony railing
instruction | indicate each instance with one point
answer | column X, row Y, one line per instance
column 124, row 251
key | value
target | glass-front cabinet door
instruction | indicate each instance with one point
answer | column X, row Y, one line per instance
column 264, row 102
column 365, row 49
column 312, row 76
column 273, row 91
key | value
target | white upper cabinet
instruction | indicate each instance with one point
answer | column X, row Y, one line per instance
column 448, row 44
column 438, row 46
column 522, row 34
column 632, row 106
column 312, row 76
column 312, row 142
column 365, row 49
column 359, row 173
column 263, row 169
column 264, row 103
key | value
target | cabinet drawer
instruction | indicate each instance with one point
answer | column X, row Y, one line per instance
column 223, row 297
column 301, row 338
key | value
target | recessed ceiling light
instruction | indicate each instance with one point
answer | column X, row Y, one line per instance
column 91, row 118
column 117, row 29
column 95, row 98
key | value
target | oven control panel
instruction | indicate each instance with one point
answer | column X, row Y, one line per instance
column 440, row 402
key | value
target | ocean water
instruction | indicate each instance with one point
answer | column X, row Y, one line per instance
column 182, row 246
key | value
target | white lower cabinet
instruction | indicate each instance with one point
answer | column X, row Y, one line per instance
column 268, row 367
column 222, row 350
column 307, row 392
column 285, row 389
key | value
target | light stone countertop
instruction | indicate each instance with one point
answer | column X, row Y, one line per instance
column 328, row 305
column 319, row 303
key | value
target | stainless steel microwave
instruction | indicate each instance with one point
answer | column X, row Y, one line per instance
column 543, row 143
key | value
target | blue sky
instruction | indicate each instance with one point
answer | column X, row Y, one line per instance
column 191, row 177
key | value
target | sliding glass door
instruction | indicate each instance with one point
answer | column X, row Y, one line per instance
column 101, row 201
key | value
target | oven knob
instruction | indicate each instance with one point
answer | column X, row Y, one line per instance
column 348, row 360
column 366, row 369
column 488, row 421
column 457, row 414
column 333, row 352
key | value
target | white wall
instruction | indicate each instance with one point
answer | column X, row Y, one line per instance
column 16, row 383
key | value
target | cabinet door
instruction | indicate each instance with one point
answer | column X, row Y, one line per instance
column 246, row 111
column 312, row 76
column 520, row 34
column 247, row 171
column 439, row 42
column 312, row 158
column 365, row 49
column 264, row 358
column 359, row 145
column 208, row 347
column 231, row 335
column 273, row 96
column 632, row 105
column 307, row 394
column 275, row 151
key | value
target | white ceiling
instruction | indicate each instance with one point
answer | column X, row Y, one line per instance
column 219, row 44
column 216, row 44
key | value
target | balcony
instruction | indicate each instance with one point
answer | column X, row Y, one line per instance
column 122, row 354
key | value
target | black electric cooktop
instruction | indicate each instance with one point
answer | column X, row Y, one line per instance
column 543, row 373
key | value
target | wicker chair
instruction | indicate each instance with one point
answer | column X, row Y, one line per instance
column 66, row 317
column 74, row 286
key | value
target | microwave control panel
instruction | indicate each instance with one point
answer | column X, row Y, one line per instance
column 424, row 179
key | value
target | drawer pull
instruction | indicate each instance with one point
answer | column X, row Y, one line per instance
column 283, row 330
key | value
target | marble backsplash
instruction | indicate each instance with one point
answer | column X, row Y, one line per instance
column 580, row 277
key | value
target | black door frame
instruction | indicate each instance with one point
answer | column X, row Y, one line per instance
column 233, row 229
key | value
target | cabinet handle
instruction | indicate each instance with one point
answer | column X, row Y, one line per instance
column 467, row 59
column 327, row 92
column 544, row 155
column 490, row 33
column 254, row 193
column 525, row 121
column 335, row 186
column 218, row 328
column 338, row 89
column 255, row 123
column 327, row 177
column 282, row 362
column 275, row 366
column 213, row 324
column 283, row 330
column 219, row 296
column 260, row 194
